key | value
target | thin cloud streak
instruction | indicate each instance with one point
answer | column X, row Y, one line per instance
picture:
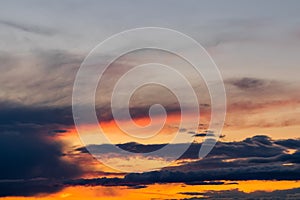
column 29, row 28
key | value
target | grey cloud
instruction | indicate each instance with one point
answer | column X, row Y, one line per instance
column 248, row 83
column 49, row 81
column 248, row 96
column 246, row 173
column 251, row 85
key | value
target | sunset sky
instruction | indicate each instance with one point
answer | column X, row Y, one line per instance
column 255, row 45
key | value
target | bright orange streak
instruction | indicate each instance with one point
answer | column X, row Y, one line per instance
column 160, row 191
column 116, row 135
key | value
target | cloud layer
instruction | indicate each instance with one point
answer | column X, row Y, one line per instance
column 256, row 158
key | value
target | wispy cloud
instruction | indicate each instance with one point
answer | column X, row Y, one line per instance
column 39, row 30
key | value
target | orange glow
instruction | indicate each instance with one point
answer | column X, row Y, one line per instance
column 160, row 191
column 241, row 122
column 116, row 135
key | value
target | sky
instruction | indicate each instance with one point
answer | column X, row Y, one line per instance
column 255, row 46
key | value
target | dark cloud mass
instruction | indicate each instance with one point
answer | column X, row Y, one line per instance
column 196, row 177
column 32, row 161
column 25, row 156
column 257, row 146
column 256, row 158
column 29, row 187
column 11, row 114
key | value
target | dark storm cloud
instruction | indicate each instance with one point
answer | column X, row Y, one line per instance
column 29, row 28
column 28, row 187
column 29, row 153
column 26, row 153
